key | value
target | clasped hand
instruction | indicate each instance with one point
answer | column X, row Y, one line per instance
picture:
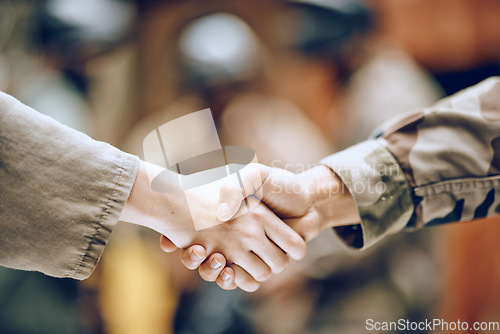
column 293, row 209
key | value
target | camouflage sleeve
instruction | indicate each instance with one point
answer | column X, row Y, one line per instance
column 430, row 167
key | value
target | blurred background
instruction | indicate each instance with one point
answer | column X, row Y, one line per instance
column 294, row 80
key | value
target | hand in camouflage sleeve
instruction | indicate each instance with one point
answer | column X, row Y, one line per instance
column 434, row 166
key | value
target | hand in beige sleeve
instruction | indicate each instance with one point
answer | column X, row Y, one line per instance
column 256, row 244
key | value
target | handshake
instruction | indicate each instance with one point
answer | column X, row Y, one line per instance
column 244, row 249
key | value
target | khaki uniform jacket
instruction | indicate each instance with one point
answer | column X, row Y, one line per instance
column 433, row 166
column 61, row 193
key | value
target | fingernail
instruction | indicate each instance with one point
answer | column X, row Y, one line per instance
column 195, row 256
column 226, row 277
column 222, row 211
column 214, row 264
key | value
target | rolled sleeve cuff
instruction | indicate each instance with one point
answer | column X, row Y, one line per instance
column 109, row 213
column 379, row 188
column 61, row 193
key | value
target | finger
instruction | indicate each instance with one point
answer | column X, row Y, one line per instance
column 286, row 239
column 244, row 280
column 308, row 226
column 254, row 266
column 226, row 279
column 193, row 256
column 166, row 245
column 232, row 193
column 212, row 268
column 283, row 237
column 274, row 257
column 264, row 247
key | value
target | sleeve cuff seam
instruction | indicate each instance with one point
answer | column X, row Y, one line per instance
column 82, row 270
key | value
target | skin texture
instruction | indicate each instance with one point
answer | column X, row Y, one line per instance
column 309, row 202
column 255, row 244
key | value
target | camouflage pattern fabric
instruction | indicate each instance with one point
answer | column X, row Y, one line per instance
column 429, row 167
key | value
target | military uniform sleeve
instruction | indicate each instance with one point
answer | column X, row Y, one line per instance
column 433, row 166
column 61, row 193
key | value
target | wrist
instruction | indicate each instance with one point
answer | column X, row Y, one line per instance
column 156, row 210
column 331, row 199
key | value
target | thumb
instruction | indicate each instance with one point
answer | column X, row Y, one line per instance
column 231, row 196
column 167, row 245
column 238, row 187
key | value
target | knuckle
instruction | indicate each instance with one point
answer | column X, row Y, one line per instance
column 296, row 246
column 293, row 241
column 251, row 232
column 257, row 214
column 224, row 189
column 232, row 187
column 264, row 275
column 281, row 264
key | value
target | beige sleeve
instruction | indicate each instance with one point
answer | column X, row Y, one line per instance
column 61, row 193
